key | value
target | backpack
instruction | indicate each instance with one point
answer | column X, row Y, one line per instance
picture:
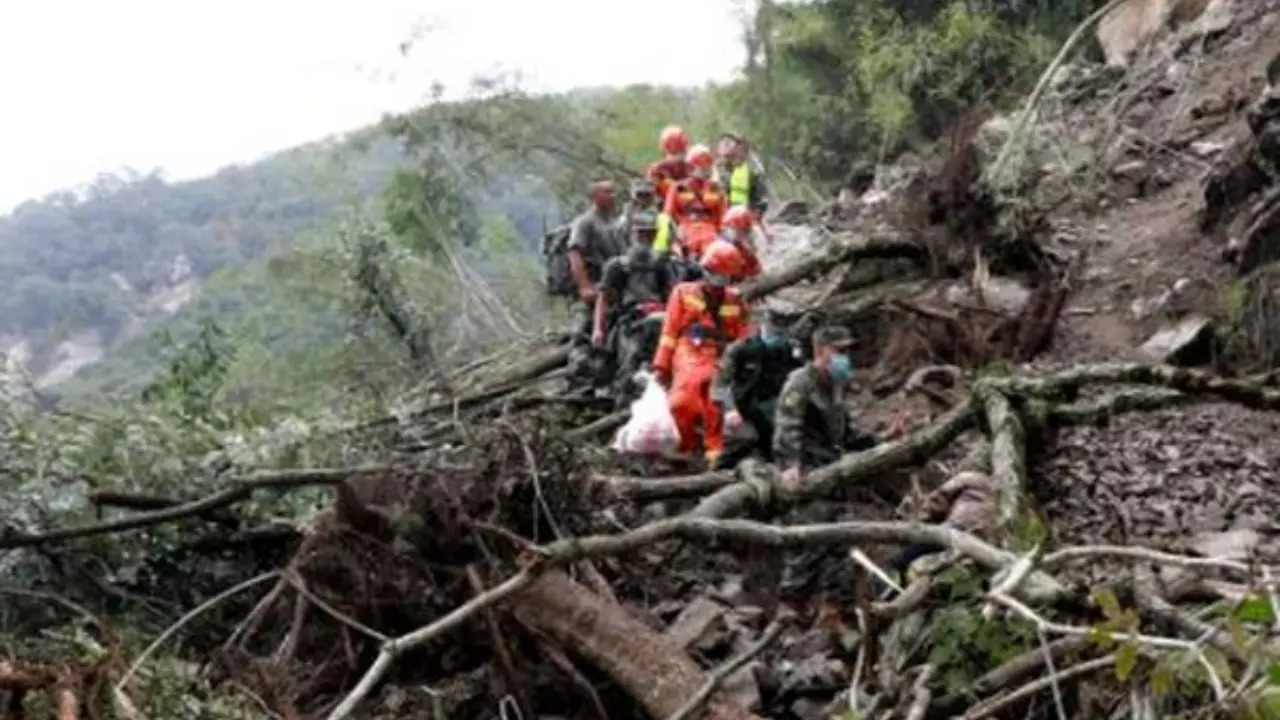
column 555, row 256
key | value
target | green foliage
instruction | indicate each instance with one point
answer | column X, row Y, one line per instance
column 195, row 374
column 1255, row 609
column 1029, row 530
column 830, row 85
column 1118, row 622
column 1182, row 679
column 427, row 208
column 966, row 644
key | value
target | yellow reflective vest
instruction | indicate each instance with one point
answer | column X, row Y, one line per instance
column 740, row 185
column 662, row 241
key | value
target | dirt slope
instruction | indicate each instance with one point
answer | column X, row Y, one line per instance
column 1158, row 477
column 1170, row 119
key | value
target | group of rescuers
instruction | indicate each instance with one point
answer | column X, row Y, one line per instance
column 677, row 260
column 681, row 265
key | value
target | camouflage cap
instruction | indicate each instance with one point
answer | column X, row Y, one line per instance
column 833, row 336
column 641, row 187
column 644, row 220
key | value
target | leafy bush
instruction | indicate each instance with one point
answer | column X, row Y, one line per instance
column 842, row 83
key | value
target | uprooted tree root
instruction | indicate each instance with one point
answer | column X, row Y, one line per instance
column 950, row 234
column 401, row 548
column 67, row 683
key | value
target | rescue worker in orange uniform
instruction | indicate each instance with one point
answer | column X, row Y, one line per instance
column 703, row 317
column 739, row 224
column 673, row 142
column 695, row 205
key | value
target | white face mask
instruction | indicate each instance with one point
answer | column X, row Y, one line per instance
column 717, row 279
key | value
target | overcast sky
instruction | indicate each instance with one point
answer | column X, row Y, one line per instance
column 192, row 85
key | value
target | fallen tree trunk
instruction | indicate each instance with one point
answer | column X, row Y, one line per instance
column 652, row 669
column 1008, row 460
column 840, row 251
column 541, row 361
column 662, row 488
column 1245, row 392
column 504, row 382
column 914, row 448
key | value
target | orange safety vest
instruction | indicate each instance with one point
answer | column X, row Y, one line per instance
column 684, row 204
column 665, row 173
column 691, row 335
column 695, row 235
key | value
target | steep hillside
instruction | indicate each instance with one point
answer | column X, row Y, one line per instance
column 94, row 273
column 86, row 271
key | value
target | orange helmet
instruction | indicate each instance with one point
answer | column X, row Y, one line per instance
column 723, row 258
column 673, row 140
column 738, row 218
column 700, row 157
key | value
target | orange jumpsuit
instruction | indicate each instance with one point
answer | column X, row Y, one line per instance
column 695, row 201
column 688, row 352
column 665, row 173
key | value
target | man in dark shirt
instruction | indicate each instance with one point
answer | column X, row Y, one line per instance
column 749, row 379
column 634, row 286
column 592, row 242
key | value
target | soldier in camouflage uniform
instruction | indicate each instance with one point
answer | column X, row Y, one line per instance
column 641, row 203
column 629, row 306
column 812, row 425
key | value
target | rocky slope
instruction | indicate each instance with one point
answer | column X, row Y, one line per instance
column 1154, row 283
column 47, row 367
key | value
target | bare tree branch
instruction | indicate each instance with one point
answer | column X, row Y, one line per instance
column 239, row 490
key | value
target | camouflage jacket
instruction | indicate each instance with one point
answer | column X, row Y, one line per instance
column 812, row 427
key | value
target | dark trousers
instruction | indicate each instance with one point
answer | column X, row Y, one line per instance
column 583, row 361
column 759, row 415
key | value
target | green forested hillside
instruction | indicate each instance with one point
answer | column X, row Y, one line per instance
column 58, row 255
column 273, row 243
column 827, row 88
